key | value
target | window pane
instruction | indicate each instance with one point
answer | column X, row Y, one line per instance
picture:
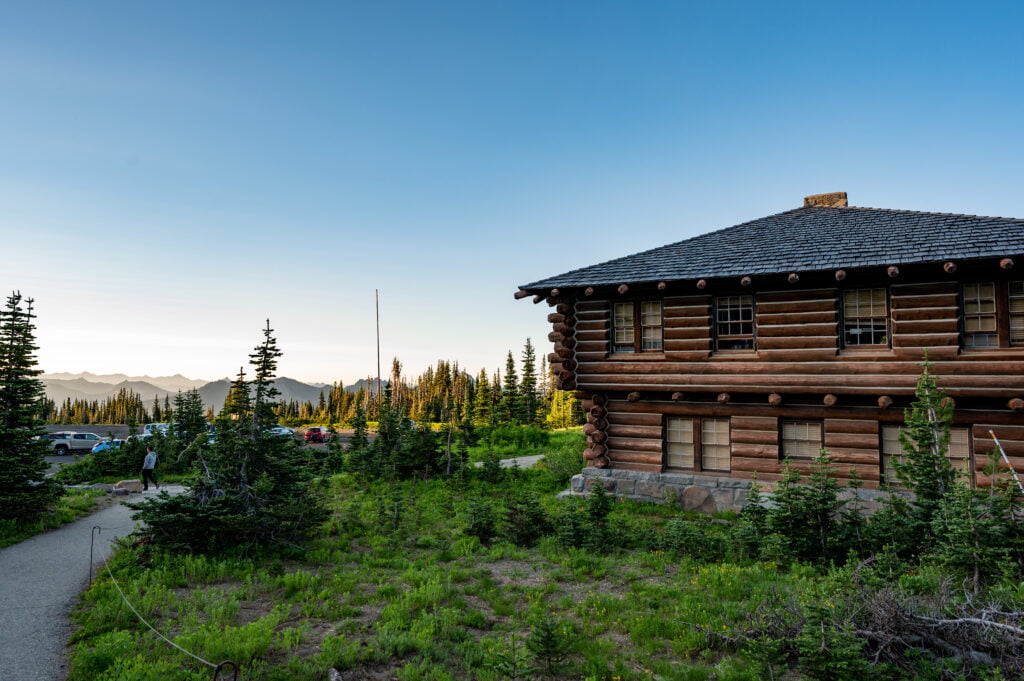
column 714, row 444
column 892, row 451
column 1017, row 311
column 622, row 323
column 801, row 440
column 865, row 317
column 650, row 320
column 679, row 442
column 959, row 451
column 979, row 316
column 734, row 322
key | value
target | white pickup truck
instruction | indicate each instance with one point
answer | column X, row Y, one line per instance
column 65, row 443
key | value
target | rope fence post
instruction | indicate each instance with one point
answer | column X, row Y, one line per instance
column 96, row 529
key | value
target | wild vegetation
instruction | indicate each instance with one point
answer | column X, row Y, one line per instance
column 428, row 568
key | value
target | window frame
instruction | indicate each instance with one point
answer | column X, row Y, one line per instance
column 1005, row 319
column 697, row 436
column 718, row 336
column 886, row 317
column 782, row 439
column 636, row 328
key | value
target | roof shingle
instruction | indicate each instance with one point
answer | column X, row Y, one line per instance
column 808, row 239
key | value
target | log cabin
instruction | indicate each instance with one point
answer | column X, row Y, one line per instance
column 706, row 362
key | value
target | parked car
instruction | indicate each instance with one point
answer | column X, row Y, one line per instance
column 151, row 428
column 107, row 446
column 64, row 443
column 318, row 434
column 281, row 431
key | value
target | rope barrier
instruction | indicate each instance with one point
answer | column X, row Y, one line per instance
column 217, row 668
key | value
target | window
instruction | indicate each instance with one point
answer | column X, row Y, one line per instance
column 958, row 452
column 734, row 323
column 699, row 444
column 636, row 327
column 1017, row 312
column 801, row 439
column 980, row 316
column 865, row 317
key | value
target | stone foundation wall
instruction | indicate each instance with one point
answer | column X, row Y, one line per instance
column 703, row 493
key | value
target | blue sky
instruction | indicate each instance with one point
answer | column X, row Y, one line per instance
column 171, row 174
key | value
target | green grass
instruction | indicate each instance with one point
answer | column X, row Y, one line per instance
column 74, row 504
column 409, row 595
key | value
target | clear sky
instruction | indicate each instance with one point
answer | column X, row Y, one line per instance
column 172, row 174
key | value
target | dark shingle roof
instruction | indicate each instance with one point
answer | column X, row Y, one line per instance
column 807, row 239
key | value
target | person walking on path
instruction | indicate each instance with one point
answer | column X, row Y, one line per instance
column 147, row 469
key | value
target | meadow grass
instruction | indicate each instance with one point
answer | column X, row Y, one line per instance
column 399, row 590
column 72, row 505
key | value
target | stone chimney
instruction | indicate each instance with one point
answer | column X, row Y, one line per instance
column 833, row 200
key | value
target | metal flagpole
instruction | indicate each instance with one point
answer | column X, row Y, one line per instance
column 376, row 295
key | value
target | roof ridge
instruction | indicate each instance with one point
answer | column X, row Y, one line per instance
column 920, row 212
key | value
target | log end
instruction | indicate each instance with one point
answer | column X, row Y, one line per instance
column 1006, row 263
column 830, row 400
column 633, row 396
column 884, row 402
column 623, row 289
column 949, row 267
column 723, row 398
column 702, row 283
column 662, row 285
column 1016, row 404
column 840, row 275
column 601, row 462
column 746, row 281
column 775, row 400
column 537, row 298
column 793, row 278
column 520, row 294
column 893, row 271
column 678, row 397
column 588, row 291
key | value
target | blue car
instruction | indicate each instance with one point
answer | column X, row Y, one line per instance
column 108, row 445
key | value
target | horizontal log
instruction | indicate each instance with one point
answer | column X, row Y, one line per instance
column 1003, row 432
column 788, row 307
column 701, row 322
column 622, row 430
column 854, row 440
column 634, row 444
column 563, row 352
column 798, row 354
column 632, row 466
column 569, row 343
column 795, row 329
column 926, row 340
column 635, row 457
column 924, row 288
column 929, row 300
column 591, row 306
column 1013, row 448
column 638, row 419
column 564, row 329
column 861, row 426
column 789, row 295
column 829, row 316
column 754, row 423
column 687, row 333
column 912, row 314
column 589, row 454
column 688, row 301
column 755, row 437
column 684, row 345
column 829, row 342
column 599, row 335
column 946, row 326
column 659, row 376
column 591, row 325
column 520, row 294
column 755, row 451
column 569, row 364
column 744, row 366
column 755, row 465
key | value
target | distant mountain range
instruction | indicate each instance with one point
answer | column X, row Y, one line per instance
column 87, row 386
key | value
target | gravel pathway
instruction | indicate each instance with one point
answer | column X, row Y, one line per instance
column 40, row 580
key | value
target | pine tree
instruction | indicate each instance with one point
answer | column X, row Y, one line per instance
column 510, row 403
column 264, row 361
column 528, row 394
column 25, row 492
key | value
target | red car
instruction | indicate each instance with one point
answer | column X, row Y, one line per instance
column 318, row 434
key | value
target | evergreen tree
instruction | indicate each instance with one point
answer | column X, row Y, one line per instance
column 482, row 401
column 251, row 490
column 925, row 469
column 510, row 402
column 528, row 393
column 25, row 493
